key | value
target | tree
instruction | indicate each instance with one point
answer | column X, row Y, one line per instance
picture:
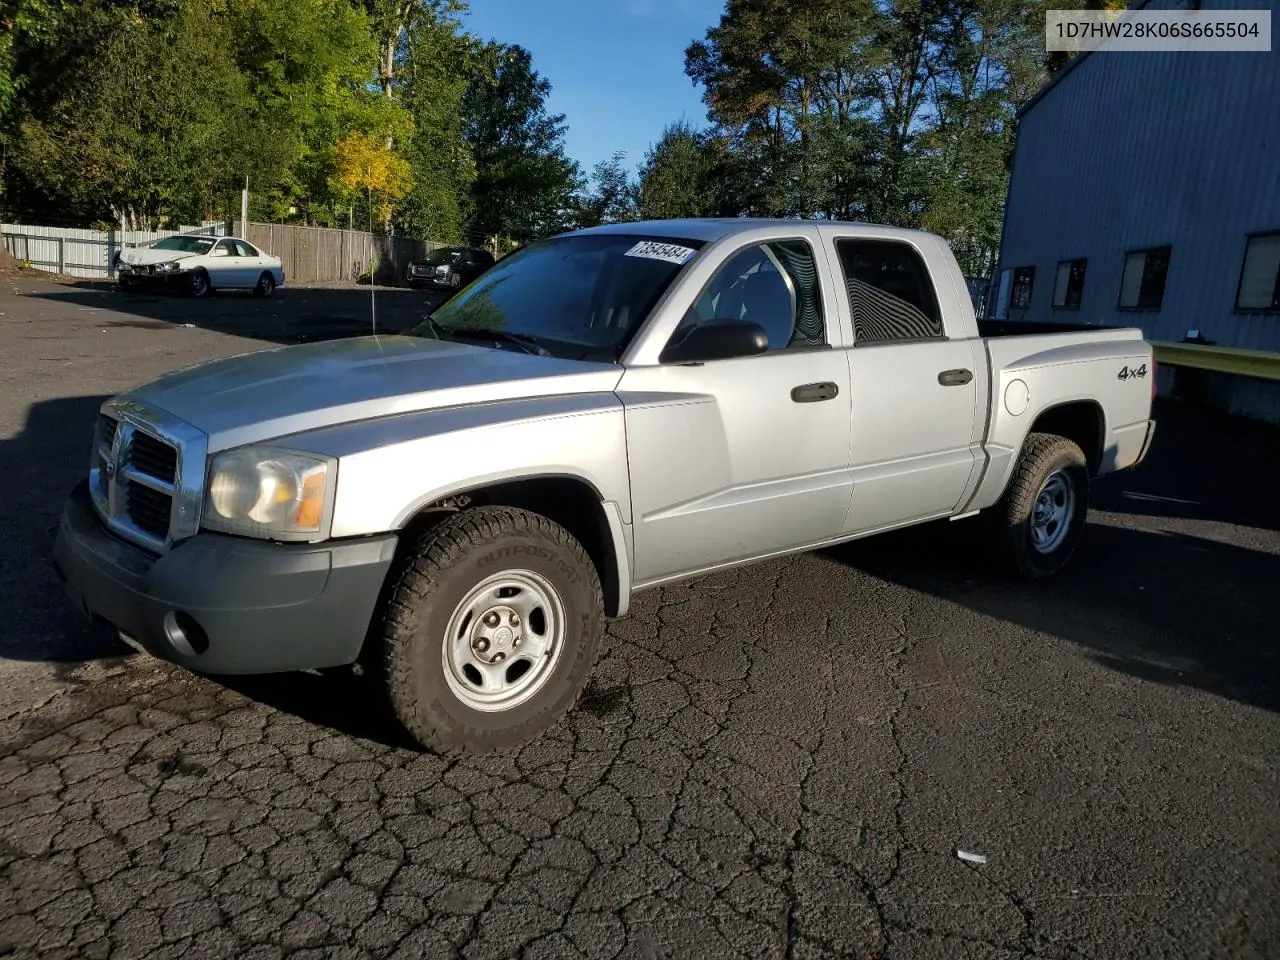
column 307, row 66
column 85, row 141
column 769, row 68
column 682, row 176
column 365, row 165
column 897, row 112
column 611, row 196
column 524, row 183
column 438, row 61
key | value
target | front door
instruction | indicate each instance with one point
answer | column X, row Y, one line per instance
column 739, row 458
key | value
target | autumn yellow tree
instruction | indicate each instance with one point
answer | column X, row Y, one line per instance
column 363, row 165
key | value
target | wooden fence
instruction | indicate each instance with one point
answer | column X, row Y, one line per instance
column 322, row 255
column 309, row 254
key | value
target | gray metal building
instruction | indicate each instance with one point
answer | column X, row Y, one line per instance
column 1145, row 191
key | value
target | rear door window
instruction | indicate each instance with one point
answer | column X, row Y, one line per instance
column 891, row 295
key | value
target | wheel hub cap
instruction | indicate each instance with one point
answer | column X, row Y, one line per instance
column 503, row 640
column 1053, row 512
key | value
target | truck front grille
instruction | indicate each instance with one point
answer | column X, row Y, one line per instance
column 148, row 509
column 133, row 480
column 153, row 457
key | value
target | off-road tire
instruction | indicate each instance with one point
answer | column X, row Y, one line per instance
column 1042, row 456
column 427, row 584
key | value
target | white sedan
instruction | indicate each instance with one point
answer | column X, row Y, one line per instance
column 201, row 264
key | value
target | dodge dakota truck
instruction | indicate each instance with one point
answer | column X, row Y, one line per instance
column 461, row 507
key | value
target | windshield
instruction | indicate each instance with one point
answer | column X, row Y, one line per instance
column 184, row 244
column 443, row 255
column 579, row 297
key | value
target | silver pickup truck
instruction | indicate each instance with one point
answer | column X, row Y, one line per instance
column 460, row 508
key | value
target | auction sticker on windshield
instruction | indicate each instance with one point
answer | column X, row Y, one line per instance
column 652, row 250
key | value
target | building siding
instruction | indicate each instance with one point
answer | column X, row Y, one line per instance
column 1105, row 166
column 1134, row 150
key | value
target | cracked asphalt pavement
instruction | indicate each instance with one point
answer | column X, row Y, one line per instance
column 782, row 761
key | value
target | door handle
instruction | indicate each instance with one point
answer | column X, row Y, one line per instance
column 955, row 378
column 813, row 392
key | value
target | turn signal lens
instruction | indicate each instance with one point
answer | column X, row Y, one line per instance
column 311, row 508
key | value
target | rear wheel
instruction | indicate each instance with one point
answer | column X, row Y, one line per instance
column 1040, row 519
column 266, row 285
column 490, row 631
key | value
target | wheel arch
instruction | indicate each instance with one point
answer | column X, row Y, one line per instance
column 566, row 499
column 1083, row 422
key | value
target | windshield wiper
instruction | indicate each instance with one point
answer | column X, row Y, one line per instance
column 525, row 343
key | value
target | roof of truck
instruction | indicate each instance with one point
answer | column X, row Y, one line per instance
column 716, row 228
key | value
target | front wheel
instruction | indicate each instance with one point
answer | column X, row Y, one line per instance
column 1040, row 519
column 200, row 285
column 490, row 632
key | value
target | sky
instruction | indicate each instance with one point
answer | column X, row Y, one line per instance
column 616, row 67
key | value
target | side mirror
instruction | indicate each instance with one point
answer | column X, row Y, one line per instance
column 717, row 340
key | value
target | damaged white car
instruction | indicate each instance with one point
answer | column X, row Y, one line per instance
column 200, row 265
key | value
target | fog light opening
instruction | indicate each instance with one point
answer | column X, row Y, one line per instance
column 185, row 633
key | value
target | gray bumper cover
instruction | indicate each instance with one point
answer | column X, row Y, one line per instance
column 225, row 605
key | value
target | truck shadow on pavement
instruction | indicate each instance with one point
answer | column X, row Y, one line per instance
column 1162, row 606
column 293, row 315
column 1203, row 465
column 38, row 467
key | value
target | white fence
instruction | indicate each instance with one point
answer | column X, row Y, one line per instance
column 76, row 252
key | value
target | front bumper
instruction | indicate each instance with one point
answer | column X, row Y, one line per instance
column 225, row 605
column 429, row 280
column 168, row 278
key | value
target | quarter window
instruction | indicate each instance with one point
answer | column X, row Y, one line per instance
column 773, row 284
column 1259, row 287
column 1068, row 287
column 890, row 292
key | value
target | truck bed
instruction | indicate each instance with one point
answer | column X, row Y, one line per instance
column 990, row 329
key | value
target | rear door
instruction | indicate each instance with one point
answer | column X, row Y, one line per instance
column 916, row 426
column 252, row 263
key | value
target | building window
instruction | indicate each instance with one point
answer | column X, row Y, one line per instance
column 1259, row 287
column 1069, row 285
column 1023, row 279
column 1145, row 272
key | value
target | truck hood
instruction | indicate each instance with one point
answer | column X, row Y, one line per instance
column 275, row 393
column 140, row 256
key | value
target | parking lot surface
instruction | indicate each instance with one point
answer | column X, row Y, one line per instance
column 781, row 761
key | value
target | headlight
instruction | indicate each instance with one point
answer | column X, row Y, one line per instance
column 168, row 267
column 265, row 492
column 443, row 268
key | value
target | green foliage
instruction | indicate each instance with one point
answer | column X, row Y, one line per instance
column 141, row 111
column 895, row 111
column 148, row 122
column 524, row 184
column 611, row 197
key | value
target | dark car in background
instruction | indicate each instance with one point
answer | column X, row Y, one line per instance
column 450, row 267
